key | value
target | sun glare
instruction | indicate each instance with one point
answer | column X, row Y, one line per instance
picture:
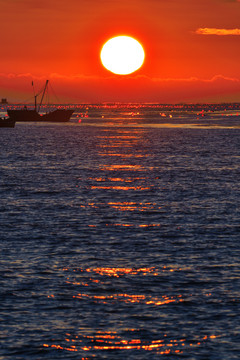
column 122, row 55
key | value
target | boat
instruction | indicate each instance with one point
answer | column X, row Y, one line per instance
column 25, row 114
column 7, row 122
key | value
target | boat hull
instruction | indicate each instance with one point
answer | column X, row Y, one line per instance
column 9, row 123
column 58, row 115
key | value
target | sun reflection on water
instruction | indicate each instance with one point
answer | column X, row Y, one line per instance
column 116, row 179
column 104, row 341
column 91, row 343
column 128, row 298
column 132, row 206
column 116, row 272
column 122, row 155
column 121, row 168
column 125, row 188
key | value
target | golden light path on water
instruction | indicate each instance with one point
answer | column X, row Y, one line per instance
column 112, row 340
column 120, row 239
column 86, row 285
column 123, row 140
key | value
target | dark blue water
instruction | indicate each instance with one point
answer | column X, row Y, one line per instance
column 120, row 237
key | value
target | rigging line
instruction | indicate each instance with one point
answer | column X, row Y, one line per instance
column 41, row 91
column 58, row 101
column 47, row 97
column 43, row 94
column 26, row 101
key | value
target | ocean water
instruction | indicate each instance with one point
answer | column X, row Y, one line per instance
column 120, row 235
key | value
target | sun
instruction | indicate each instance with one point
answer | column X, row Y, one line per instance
column 122, row 55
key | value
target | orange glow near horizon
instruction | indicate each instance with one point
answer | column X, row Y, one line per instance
column 184, row 62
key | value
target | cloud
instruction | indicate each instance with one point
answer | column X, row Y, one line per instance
column 220, row 32
column 89, row 89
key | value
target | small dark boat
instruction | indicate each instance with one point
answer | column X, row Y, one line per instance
column 58, row 115
column 10, row 123
column 25, row 114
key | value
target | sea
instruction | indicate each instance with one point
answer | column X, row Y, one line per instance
column 120, row 234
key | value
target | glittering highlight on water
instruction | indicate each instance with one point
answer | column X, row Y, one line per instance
column 120, row 234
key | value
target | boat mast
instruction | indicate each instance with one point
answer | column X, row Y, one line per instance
column 45, row 88
column 35, row 97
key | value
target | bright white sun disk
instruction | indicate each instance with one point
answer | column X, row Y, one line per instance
column 122, row 55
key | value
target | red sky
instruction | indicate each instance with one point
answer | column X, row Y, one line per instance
column 192, row 49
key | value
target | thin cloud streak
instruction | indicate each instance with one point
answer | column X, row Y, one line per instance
column 219, row 32
column 83, row 89
column 29, row 77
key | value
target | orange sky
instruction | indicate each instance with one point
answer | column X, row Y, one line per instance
column 192, row 49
